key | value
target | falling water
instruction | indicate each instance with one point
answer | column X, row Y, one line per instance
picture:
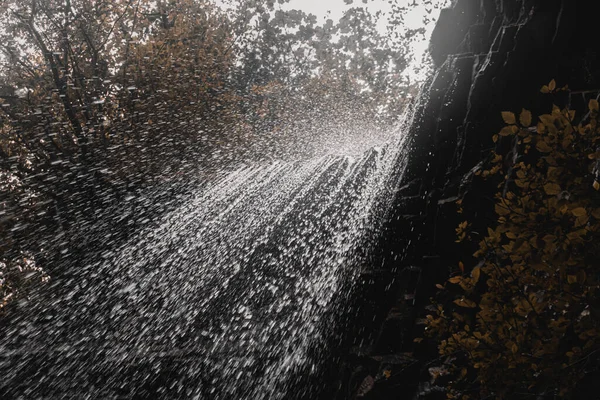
column 229, row 296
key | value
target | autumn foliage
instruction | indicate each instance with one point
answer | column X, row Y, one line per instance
column 525, row 321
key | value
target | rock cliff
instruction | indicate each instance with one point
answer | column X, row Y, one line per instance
column 489, row 56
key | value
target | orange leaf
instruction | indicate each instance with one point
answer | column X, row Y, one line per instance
column 525, row 118
column 509, row 117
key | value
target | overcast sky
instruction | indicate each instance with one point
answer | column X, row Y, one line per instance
column 416, row 17
column 334, row 9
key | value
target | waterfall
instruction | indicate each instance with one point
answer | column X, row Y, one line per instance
column 225, row 297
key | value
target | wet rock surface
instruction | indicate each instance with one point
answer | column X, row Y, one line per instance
column 489, row 56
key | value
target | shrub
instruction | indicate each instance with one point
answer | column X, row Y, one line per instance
column 526, row 320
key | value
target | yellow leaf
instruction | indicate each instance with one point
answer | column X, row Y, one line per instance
column 495, row 138
column 455, row 280
column 552, row 85
column 511, row 235
column 596, row 185
column 566, row 143
column 574, row 235
column 547, row 120
column 581, row 221
column 508, row 130
column 593, row 105
column 418, row 340
column 572, row 279
column 569, row 129
column 521, row 183
column 440, row 287
column 501, row 210
column 461, row 266
column 550, row 160
column 555, row 111
column 554, row 173
column 525, row 118
column 543, row 147
column 475, row 274
column 545, row 89
column 387, row 373
column 509, row 117
column 552, row 188
column 579, row 212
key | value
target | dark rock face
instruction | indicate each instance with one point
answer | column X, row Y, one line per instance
column 489, row 56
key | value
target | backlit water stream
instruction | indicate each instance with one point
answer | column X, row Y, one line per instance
column 230, row 296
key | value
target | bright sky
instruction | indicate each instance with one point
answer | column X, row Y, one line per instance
column 334, row 9
column 418, row 15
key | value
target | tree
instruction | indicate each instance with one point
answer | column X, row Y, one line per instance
column 84, row 109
